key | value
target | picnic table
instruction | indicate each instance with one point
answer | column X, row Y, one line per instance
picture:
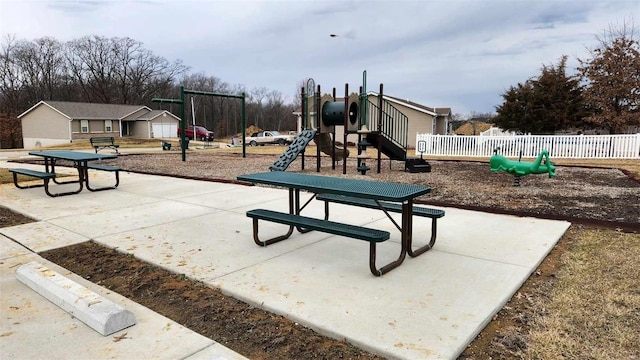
column 402, row 195
column 80, row 160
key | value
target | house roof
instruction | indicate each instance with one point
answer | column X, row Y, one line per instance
column 90, row 111
column 416, row 106
column 154, row 114
column 411, row 104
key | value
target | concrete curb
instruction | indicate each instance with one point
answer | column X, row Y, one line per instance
column 99, row 313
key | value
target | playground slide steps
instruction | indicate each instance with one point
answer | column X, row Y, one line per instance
column 388, row 147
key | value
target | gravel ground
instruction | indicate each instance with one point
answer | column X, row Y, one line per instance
column 577, row 193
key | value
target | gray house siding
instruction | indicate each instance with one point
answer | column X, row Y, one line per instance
column 419, row 122
column 96, row 128
column 45, row 127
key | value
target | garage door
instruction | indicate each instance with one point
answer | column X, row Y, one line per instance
column 165, row 130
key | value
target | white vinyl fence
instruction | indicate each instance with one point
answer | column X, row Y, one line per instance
column 625, row 146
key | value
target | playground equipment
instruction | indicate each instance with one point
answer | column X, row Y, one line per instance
column 333, row 114
column 385, row 128
column 296, row 147
column 418, row 165
column 518, row 168
column 378, row 125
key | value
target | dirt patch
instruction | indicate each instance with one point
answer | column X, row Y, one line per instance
column 255, row 333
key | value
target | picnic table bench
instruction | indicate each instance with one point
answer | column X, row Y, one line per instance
column 434, row 214
column 103, row 143
column 46, row 176
column 305, row 223
column 102, row 167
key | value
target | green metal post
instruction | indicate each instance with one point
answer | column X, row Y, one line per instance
column 364, row 121
column 183, row 126
column 243, row 122
column 305, row 121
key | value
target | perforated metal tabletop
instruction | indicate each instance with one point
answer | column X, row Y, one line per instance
column 71, row 155
column 379, row 190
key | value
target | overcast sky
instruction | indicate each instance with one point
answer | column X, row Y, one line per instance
column 460, row 54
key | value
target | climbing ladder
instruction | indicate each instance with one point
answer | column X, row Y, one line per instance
column 297, row 146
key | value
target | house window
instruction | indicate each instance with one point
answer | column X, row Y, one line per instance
column 84, row 126
column 108, row 126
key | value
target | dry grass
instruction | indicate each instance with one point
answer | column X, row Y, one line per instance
column 123, row 142
column 6, row 177
column 594, row 310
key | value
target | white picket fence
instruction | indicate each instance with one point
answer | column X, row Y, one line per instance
column 624, row 146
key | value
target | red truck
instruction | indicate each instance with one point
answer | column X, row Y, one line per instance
column 202, row 133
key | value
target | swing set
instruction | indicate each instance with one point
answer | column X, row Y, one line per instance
column 183, row 123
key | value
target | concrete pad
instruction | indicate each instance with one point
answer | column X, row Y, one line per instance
column 216, row 352
column 114, row 221
column 42, row 236
column 236, row 197
column 32, row 327
column 9, row 248
column 502, row 238
column 36, row 204
column 98, row 312
column 204, row 247
column 167, row 187
column 430, row 307
column 521, row 241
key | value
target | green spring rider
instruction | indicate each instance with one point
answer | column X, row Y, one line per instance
column 518, row 168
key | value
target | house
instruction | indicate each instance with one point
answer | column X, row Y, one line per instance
column 59, row 122
column 421, row 119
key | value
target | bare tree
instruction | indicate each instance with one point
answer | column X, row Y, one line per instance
column 11, row 82
column 141, row 73
column 297, row 99
column 612, row 78
column 43, row 67
column 278, row 114
column 94, row 67
column 11, row 78
column 255, row 106
column 118, row 70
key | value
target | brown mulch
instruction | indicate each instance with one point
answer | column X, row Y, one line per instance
column 588, row 197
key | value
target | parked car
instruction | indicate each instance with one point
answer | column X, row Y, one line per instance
column 269, row 137
column 201, row 133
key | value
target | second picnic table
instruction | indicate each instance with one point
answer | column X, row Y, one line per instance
column 81, row 161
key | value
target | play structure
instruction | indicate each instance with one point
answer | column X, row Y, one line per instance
column 519, row 168
column 377, row 125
